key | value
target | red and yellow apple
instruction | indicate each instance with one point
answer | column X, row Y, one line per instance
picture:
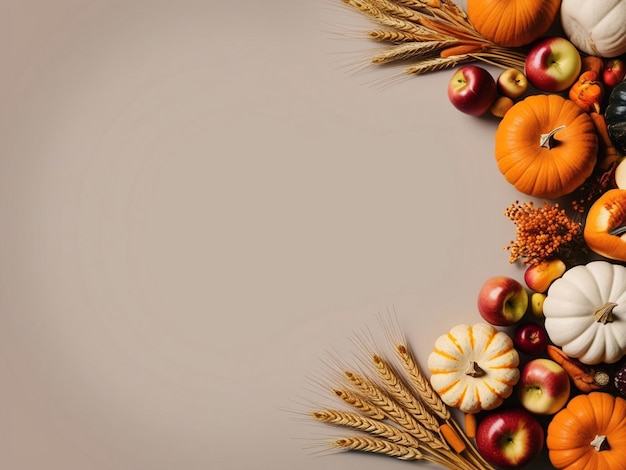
column 512, row 83
column 538, row 277
column 502, row 301
column 544, row 386
column 509, row 438
column 614, row 72
column 472, row 90
column 552, row 64
column 500, row 106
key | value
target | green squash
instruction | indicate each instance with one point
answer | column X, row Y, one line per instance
column 615, row 115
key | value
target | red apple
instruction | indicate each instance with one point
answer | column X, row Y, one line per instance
column 552, row 64
column 509, row 438
column 544, row 386
column 512, row 83
column 530, row 338
column 502, row 301
column 472, row 90
column 614, row 72
column 538, row 277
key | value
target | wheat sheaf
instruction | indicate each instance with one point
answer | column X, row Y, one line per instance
column 430, row 35
column 389, row 407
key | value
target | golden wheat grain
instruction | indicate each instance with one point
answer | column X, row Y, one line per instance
column 421, row 383
column 410, row 50
column 390, row 21
column 386, row 35
column 398, row 391
column 396, row 9
column 436, row 64
column 364, row 424
column 378, row 446
column 360, row 404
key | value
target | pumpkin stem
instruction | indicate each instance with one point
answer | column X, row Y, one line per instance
column 547, row 140
column 599, row 443
column 473, row 370
column 604, row 314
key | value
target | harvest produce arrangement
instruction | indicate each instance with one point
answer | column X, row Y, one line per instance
column 542, row 367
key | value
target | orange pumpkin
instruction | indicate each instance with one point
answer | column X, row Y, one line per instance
column 589, row 433
column 546, row 146
column 512, row 23
column 605, row 226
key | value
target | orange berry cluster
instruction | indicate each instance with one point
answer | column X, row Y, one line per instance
column 543, row 232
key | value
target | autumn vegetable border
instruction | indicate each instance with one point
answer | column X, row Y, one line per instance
column 564, row 146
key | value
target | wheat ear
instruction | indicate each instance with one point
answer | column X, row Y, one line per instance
column 399, row 392
column 360, row 404
column 379, row 446
column 364, row 424
column 411, row 49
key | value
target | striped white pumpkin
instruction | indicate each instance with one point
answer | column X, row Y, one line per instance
column 479, row 348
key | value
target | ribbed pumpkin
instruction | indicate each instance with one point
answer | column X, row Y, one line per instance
column 589, row 433
column 512, row 23
column 474, row 368
column 605, row 225
column 546, row 146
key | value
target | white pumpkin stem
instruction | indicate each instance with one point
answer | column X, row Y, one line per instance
column 474, row 370
column 547, row 140
column 604, row 314
column 599, row 443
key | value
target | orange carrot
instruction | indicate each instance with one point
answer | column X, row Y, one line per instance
column 452, row 438
column 584, row 378
column 460, row 50
column 607, row 154
column 470, row 425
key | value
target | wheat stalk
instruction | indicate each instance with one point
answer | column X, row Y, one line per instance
column 410, row 50
column 362, row 423
column 360, row 404
column 421, row 383
column 399, row 392
column 378, row 446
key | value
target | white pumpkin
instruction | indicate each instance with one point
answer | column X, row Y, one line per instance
column 474, row 368
column 596, row 27
column 585, row 312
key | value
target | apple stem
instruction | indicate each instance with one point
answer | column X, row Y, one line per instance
column 604, row 314
column 599, row 443
column 547, row 140
column 473, row 370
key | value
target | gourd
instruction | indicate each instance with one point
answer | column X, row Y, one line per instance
column 589, row 433
column 585, row 312
column 605, row 225
column 615, row 116
column 546, row 146
column 512, row 23
column 474, row 368
column 596, row 27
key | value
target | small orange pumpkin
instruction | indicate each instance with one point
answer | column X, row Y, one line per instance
column 589, row 433
column 605, row 226
column 512, row 23
column 546, row 146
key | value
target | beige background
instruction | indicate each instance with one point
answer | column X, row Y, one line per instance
column 199, row 200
